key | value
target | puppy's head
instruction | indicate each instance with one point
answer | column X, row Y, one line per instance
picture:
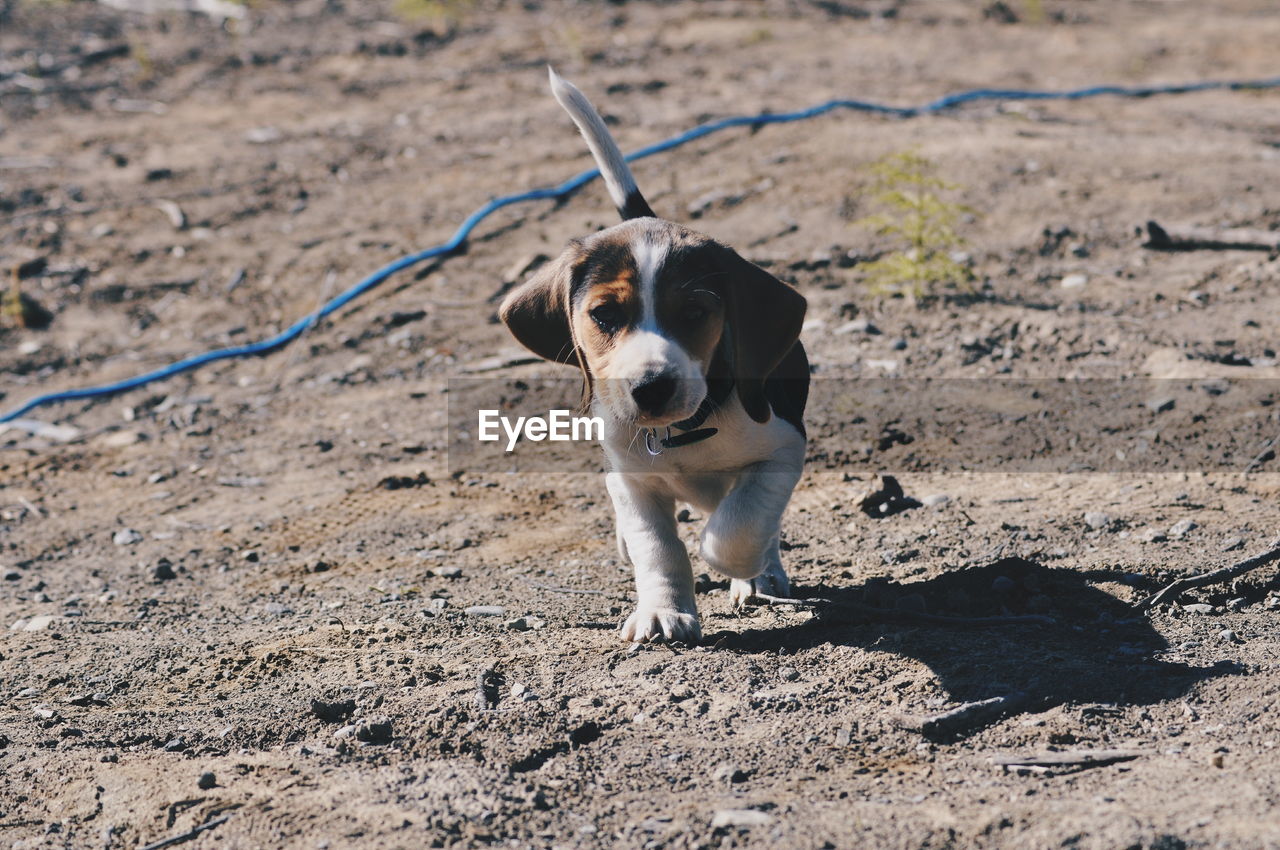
column 650, row 310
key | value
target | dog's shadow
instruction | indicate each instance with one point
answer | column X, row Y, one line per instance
column 1094, row 648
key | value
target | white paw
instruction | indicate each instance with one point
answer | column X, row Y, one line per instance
column 650, row 624
column 771, row 582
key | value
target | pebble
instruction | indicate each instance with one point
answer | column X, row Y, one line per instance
column 13, row 575
column 164, row 572
column 126, row 537
column 740, row 818
column 898, row 344
column 375, row 730
column 445, row 572
column 889, row 366
column 856, row 326
column 519, row 624
column 1181, row 528
column 484, row 611
column 1198, row 608
column 206, row 781
column 333, row 712
column 345, row 731
column 936, row 499
column 1232, row 543
column 1160, row 405
column 1097, row 519
column 1074, row 281
column 788, row 674
column 1229, row 636
column 1003, row 584
column 38, row 623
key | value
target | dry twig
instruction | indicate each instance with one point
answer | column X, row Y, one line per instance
column 188, row 835
column 1078, row 759
column 1174, row 590
column 971, row 715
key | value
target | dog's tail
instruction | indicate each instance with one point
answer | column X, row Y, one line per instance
column 617, row 176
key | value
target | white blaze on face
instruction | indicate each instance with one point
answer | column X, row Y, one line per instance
column 647, row 349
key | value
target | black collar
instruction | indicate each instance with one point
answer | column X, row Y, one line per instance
column 718, row 390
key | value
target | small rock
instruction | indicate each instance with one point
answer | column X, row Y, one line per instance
column 730, row 773
column 1097, row 520
column 1237, row 604
column 888, row 366
column 1198, row 608
column 1181, row 528
column 788, row 674
column 175, row 745
column 1232, row 543
column 1074, row 281
column 445, row 572
column 345, row 731
column 163, row 571
column 126, row 537
column 1229, row 636
column 856, row 326
column 375, row 730
column 898, row 344
column 1161, row 404
column 520, row 624
column 936, row 499
column 741, row 818
column 263, row 135
column 13, row 575
column 333, row 712
column 206, row 781
column 484, row 611
column 1152, row 535
column 39, row 623
column 1003, row 584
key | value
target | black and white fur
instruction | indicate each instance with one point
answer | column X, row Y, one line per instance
column 674, row 330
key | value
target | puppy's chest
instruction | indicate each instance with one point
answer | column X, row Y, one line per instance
column 737, row 443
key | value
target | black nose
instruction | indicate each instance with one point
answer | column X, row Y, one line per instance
column 652, row 394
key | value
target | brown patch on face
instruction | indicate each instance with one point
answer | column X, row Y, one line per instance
column 606, row 304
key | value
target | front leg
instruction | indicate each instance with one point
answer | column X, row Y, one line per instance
column 664, row 579
column 741, row 539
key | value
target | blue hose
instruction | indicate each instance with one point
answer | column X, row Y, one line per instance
column 571, row 185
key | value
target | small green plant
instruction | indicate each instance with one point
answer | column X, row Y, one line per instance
column 447, row 12
column 907, row 187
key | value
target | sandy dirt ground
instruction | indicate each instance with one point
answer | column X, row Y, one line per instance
column 238, row 598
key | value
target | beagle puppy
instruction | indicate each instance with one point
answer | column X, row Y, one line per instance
column 691, row 356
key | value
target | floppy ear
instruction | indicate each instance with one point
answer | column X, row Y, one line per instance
column 537, row 311
column 765, row 316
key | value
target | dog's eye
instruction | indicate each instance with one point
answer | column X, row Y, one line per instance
column 694, row 310
column 607, row 316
